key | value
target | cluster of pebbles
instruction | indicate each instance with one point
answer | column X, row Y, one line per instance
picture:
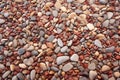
column 60, row 40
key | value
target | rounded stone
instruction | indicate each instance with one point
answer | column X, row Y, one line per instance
column 74, row 57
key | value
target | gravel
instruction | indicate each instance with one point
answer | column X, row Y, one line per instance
column 105, row 68
column 55, row 13
column 103, row 1
column 6, row 74
column 110, row 49
column 20, row 76
column 28, row 61
column 92, row 66
column 69, row 1
column 92, row 75
column 62, row 59
column 50, row 38
column 14, row 78
column 34, row 52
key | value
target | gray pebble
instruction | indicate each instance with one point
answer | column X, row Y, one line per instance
column 50, row 38
column 21, row 51
column 0, row 36
column 64, row 49
column 34, row 52
column 6, row 74
column 54, row 78
column 67, row 67
column 57, row 49
column 110, row 49
column 20, row 76
column 69, row 1
column 62, row 59
column 83, row 78
column 92, row 75
column 1, row 57
column 74, row 57
column 6, row 14
column 98, row 43
column 103, row 1
column 92, row 66
column 14, row 78
column 2, row 66
column 54, row 68
column 42, row 33
column 2, row 21
column 109, row 15
column 55, row 13
column 28, row 61
column 32, row 18
column 105, row 23
column 78, row 11
column 1, row 47
column 59, row 30
column 32, row 74
column 48, row 13
column 70, row 43
column 6, row 53
column 59, row 41
column 104, row 76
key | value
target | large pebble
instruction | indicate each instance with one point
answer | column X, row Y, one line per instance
column 6, row 14
column 60, row 43
column 21, row 51
column 90, row 26
column 98, row 43
column 64, row 49
column 69, row 1
column 6, row 74
column 105, row 23
column 109, row 15
column 50, row 38
column 57, row 49
column 28, row 61
column 105, row 68
column 14, row 78
column 103, row 1
column 110, row 49
column 104, row 76
column 92, row 66
column 62, row 59
column 22, row 66
column 20, row 76
column 67, row 67
column 92, row 75
column 74, row 57
column 2, row 21
column 32, row 74
column 43, row 66
column 117, row 74
column 2, row 66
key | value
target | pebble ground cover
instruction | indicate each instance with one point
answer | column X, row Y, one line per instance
column 59, row 39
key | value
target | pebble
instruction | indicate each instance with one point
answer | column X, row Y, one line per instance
column 14, row 78
column 15, row 43
column 105, row 23
column 22, row 65
column 12, row 67
column 62, row 59
column 2, row 21
column 32, row 75
column 1, row 57
column 70, row 43
column 60, row 43
column 21, row 51
column 43, row 66
column 103, row 1
column 69, row 1
column 110, row 49
column 81, row 1
column 6, row 53
column 92, row 75
column 98, row 43
column 20, row 76
column 74, row 57
column 2, row 66
column 92, row 66
column 55, row 13
column 28, row 61
column 90, row 26
column 64, row 49
column 50, row 38
column 34, row 52
column 6, row 14
column 54, row 68
column 117, row 74
column 6, row 74
column 112, row 78
column 105, row 68
column 30, row 48
column 67, row 67
column 104, row 76
column 109, row 15
column 42, row 33
column 57, row 49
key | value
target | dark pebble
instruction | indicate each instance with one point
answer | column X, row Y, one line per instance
column 21, row 51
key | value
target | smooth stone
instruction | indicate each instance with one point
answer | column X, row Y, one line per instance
column 1, row 57
column 55, row 13
column 117, row 74
column 78, row 11
column 110, row 49
column 18, row 1
column 15, row 43
column 43, row 66
column 2, row 21
column 34, row 52
column 92, row 66
column 20, row 76
column 32, row 74
column 103, row 1
column 22, row 65
column 105, row 23
column 50, row 38
column 59, row 30
column 14, row 78
column 57, row 49
column 30, row 48
column 104, row 76
column 6, row 74
column 28, row 61
column 2, row 66
column 112, row 78
column 54, row 68
column 67, row 67
column 90, row 26
column 109, row 14
column 92, row 75
column 32, row 18
column 6, row 53
column 74, row 57
column 69, row 1
column 70, row 43
column 60, row 43
column 6, row 14
column 42, row 33
column 83, row 78
column 105, row 68
column 62, row 59
column 12, row 67
column 1, row 36
column 64, row 49
column 81, row 1
column 98, row 43
column 21, row 51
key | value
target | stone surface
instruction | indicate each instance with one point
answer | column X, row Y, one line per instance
column 62, row 59
column 21, row 51
column 2, row 21
column 92, row 75
column 50, row 38
column 67, row 67
column 105, row 68
column 6, row 74
column 90, row 26
column 103, row 1
column 60, row 43
column 109, row 14
column 2, row 66
column 34, row 52
column 74, row 57
column 22, row 66
column 14, row 78
column 64, row 49
column 43, row 66
column 92, row 66
column 110, row 49
column 98, row 43
column 32, row 74
column 106, row 23
column 28, row 61
column 20, row 76
column 69, row 1
column 117, row 74
column 55, row 13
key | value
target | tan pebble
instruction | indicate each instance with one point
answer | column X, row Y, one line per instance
column 96, row 53
column 18, row 1
column 43, row 66
column 50, row 45
column 90, row 26
column 105, row 68
column 39, row 14
column 58, row 5
column 63, row 9
column 10, row 43
column 117, row 74
column 100, row 36
column 25, row 71
column 72, row 15
column 81, row 1
column 63, row 73
column 84, row 7
column 51, row 72
column 44, row 46
column 22, row 66
column 12, row 67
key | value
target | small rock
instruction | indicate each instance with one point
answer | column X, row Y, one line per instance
column 104, row 76
column 112, row 78
column 109, row 14
column 50, row 45
column 105, row 23
column 81, row 1
column 32, row 18
column 110, row 49
column 1, row 57
column 98, row 43
column 22, row 66
column 34, row 52
column 62, row 59
column 6, row 53
column 54, row 68
column 6, row 74
column 69, row 1
column 92, row 75
column 67, row 67
column 90, row 26
column 28, row 61
column 12, row 67
column 74, row 57
column 92, row 66
column 117, row 74
column 103, row 1
column 6, row 14
column 2, row 21
column 19, row 1
column 60, row 43
column 32, row 74
column 55, row 13
column 57, row 49
column 43, row 66
column 70, row 43
column 64, row 49
column 30, row 48
column 14, row 78
column 21, row 51
column 43, row 46
column 2, row 66
column 42, row 33
column 50, row 38
column 15, row 43
column 100, row 36
column 105, row 68
column 20, row 76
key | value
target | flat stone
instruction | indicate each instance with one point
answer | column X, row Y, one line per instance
column 62, row 59
column 112, row 78
column 57, row 49
column 69, row 1
column 6, row 74
column 2, row 66
column 92, row 75
column 90, row 26
column 117, row 74
column 60, row 43
column 70, row 43
column 105, row 68
column 28, row 61
column 20, row 76
column 105, row 23
column 110, row 49
column 32, row 74
column 22, row 65
column 98, row 43
column 92, row 66
column 21, row 51
column 43, row 66
column 30, row 48
column 55, row 13
column 2, row 21
column 67, row 67
column 109, row 15
column 54, row 68
column 64, row 49
column 34, row 52
column 14, row 78
column 50, row 38
column 12, row 67
column 15, row 43
column 103, row 1
column 74, row 57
